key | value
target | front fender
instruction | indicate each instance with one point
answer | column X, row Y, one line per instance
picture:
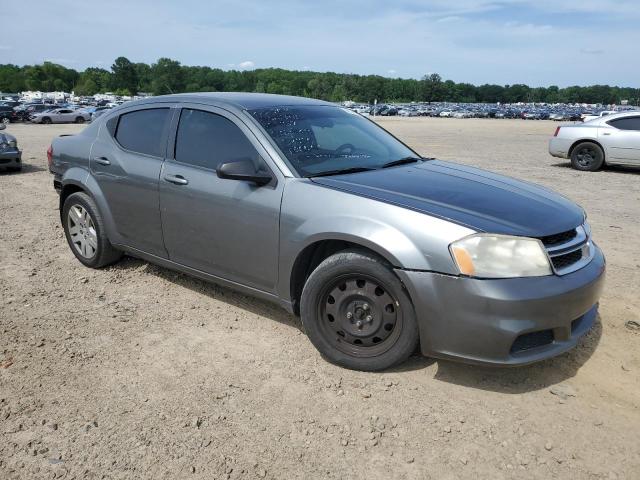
column 405, row 238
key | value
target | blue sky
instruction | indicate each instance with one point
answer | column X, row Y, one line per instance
column 538, row 42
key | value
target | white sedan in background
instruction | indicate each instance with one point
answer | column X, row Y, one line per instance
column 613, row 140
column 61, row 115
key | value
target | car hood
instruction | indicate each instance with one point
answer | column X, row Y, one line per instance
column 468, row 196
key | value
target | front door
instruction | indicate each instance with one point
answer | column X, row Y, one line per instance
column 227, row 228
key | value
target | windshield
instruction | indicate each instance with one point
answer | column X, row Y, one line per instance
column 321, row 140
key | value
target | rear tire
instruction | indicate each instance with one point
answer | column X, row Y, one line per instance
column 587, row 157
column 357, row 313
column 79, row 119
column 85, row 232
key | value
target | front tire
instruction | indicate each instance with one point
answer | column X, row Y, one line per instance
column 357, row 313
column 85, row 232
column 46, row 121
column 587, row 157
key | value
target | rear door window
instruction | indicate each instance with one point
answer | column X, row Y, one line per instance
column 627, row 123
column 207, row 140
column 142, row 131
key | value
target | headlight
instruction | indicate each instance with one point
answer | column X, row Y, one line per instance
column 500, row 256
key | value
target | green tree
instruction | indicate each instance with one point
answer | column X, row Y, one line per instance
column 125, row 76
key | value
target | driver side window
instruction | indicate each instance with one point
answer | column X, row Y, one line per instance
column 207, row 140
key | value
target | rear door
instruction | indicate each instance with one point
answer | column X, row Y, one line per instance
column 621, row 139
column 126, row 160
column 227, row 228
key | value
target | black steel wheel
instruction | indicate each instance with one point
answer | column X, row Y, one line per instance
column 357, row 313
column 587, row 156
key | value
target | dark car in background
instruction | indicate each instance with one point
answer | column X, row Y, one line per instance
column 10, row 154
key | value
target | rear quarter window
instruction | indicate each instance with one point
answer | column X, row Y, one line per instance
column 627, row 123
column 142, row 131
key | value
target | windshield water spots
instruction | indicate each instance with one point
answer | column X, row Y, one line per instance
column 318, row 140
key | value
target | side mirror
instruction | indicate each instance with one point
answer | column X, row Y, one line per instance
column 243, row 170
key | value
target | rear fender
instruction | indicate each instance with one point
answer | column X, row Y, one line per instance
column 85, row 181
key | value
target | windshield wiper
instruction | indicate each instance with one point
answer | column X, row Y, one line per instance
column 340, row 171
column 401, row 161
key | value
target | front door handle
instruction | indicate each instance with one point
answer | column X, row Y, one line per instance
column 176, row 179
column 606, row 133
column 102, row 161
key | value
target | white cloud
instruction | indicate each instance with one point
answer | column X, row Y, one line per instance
column 246, row 65
column 391, row 72
column 449, row 19
column 591, row 51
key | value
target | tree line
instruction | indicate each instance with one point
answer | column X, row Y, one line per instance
column 169, row 76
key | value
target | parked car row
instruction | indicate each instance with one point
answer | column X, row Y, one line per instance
column 559, row 113
column 40, row 112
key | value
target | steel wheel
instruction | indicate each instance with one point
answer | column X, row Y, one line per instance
column 586, row 155
column 82, row 231
column 359, row 316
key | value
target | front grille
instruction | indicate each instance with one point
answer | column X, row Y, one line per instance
column 568, row 250
column 566, row 260
column 532, row 340
column 558, row 238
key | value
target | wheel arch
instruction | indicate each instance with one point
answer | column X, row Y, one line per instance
column 316, row 252
column 77, row 180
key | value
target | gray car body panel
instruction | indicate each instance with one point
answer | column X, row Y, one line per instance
column 255, row 235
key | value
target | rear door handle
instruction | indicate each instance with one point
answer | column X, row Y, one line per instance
column 606, row 133
column 176, row 179
column 102, row 161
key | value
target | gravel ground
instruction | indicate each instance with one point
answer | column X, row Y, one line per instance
column 135, row 371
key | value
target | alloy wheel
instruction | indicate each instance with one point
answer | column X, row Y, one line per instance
column 82, row 231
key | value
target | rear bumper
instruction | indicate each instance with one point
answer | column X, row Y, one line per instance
column 506, row 321
column 559, row 147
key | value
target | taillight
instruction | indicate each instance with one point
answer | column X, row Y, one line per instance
column 557, row 131
column 50, row 156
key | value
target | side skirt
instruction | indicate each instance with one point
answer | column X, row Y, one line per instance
column 166, row 263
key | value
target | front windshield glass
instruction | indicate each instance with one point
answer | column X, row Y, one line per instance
column 321, row 140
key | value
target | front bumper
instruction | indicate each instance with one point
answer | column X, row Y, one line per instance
column 504, row 321
column 10, row 158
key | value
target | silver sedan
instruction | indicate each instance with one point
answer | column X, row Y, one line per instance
column 612, row 140
column 61, row 115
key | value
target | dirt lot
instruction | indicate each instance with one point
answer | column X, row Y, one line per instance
column 135, row 371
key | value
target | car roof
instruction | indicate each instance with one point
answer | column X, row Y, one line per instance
column 607, row 118
column 241, row 100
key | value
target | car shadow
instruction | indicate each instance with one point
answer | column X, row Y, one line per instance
column 253, row 305
column 508, row 380
column 607, row 168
